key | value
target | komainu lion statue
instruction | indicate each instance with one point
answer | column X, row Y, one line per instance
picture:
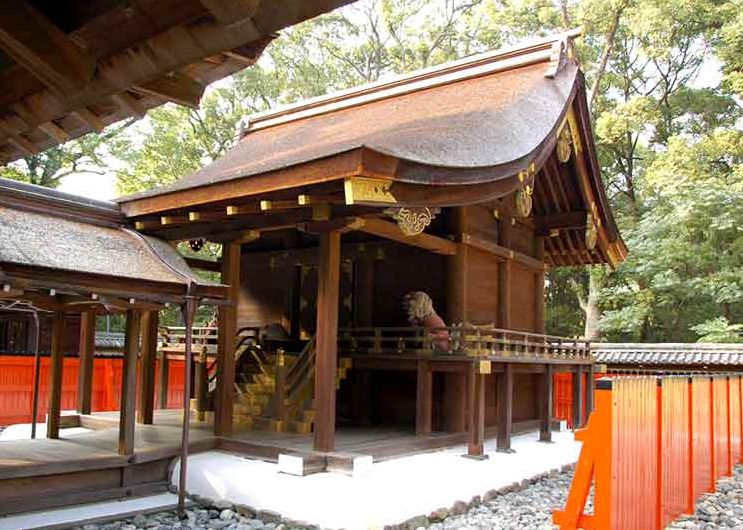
column 419, row 308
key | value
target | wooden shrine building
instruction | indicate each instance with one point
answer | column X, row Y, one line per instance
column 455, row 187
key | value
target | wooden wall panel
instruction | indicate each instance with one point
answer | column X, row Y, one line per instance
column 265, row 296
column 522, row 298
column 482, row 287
column 481, row 222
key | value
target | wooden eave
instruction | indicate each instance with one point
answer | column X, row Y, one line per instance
column 68, row 73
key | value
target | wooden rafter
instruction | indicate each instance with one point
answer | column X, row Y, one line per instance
column 43, row 49
column 176, row 87
column 231, row 12
column 89, row 118
column 388, row 230
column 130, row 104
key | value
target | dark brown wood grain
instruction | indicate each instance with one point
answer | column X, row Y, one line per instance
column 128, row 403
column 149, row 325
column 85, row 368
column 326, row 358
column 57, row 362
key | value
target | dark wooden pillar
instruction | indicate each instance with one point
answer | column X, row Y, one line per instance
column 149, row 326
column 57, row 361
column 326, row 340
column 539, row 320
column 163, row 376
column 127, row 409
column 504, row 277
column 476, row 423
column 85, row 366
column 590, row 388
column 224, row 394
column 505, row 409
column 577, row 396
column 424, row 399
column 455, row 401
column 545, row 404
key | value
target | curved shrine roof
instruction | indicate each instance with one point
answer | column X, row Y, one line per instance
column 488, row 111
column 48, row 230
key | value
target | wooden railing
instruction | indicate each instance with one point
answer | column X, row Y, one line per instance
column 473, row 341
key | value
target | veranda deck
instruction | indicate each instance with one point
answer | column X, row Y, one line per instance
column 85, row 467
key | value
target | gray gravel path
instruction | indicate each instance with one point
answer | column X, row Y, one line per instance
column 722, row 510
column 527, row 509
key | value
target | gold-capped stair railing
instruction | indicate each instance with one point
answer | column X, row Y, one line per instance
column 274, row 390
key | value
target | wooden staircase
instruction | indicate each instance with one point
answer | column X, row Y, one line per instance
column 258, row 404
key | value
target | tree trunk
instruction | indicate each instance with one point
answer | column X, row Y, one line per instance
column 591, row 308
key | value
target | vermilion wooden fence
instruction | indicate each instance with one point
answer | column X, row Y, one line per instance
column 16, row 386
column 651, row 448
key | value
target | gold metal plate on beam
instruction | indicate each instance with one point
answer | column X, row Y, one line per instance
column 484, row 367
column 364, row 190
column 524, row 201
column 564, row 144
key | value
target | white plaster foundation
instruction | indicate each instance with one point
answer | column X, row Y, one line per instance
column 389, row 493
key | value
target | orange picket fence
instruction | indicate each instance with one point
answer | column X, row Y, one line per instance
column 651, row 448
column 16, row 386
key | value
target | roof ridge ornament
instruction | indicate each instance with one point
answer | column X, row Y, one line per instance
column 558, row 57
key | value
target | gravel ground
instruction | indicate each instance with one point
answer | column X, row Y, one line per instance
column 527, row 509
column 722, row 510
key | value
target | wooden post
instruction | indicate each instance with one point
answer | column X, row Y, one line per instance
column 85, row 364
column 164, row 375
column 326, row 356
column 545, row 406
column 280, row 389
column 505, row 409
column 224, row 394
column 146, row 413
column 57, row 361
column 539, row 321
column 455, row 401
column 577, row 396
column 189, row 311
column 476, row 443
column 504, row 277
column 128, row 405
column 590, row 389
column 423, row 399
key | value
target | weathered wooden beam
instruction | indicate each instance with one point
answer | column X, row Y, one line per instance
column 231, row 12
column 539, row 300
column 175, row 87
column 590, row 388
column 55, row 132
column 19, row 140
column 224, row 393
column 57, row 362
column 89, row 118
column 128, row 404
column 503, row 314
column 505, row 409
column 501, row 251
column 564, row 221
column 204, row 264
column 326, row 339
column 388, row 230
column 149, row 327
column 39, row 46
column 130, row 104
column 545, row 404
column 85, row 367
column 424, row 399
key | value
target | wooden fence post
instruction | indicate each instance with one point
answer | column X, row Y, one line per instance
column 659, row 455
column 712, row 437
column 692, row 463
